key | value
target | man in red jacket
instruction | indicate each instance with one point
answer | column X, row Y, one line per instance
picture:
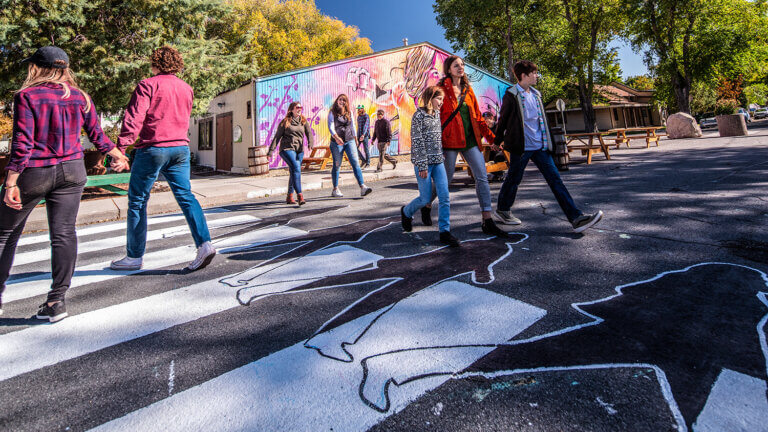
column 158, row 114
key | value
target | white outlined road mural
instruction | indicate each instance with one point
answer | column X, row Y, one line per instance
column 396, row 327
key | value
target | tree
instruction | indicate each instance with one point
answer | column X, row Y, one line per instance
column 640, row 82
column 284, row 35
column 109, row 43
column 690, row 40
column 568, row 39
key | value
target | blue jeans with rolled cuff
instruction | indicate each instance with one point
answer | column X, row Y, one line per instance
column 148, row 163
column 435, row 175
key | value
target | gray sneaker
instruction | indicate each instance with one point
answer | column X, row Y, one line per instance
column 506, row 218
column 586, row 220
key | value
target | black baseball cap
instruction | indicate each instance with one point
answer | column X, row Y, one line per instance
column 49, row 57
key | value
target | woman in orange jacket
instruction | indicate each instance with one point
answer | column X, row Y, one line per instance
column 463, row 130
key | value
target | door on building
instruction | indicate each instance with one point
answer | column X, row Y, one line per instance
column 224, row 142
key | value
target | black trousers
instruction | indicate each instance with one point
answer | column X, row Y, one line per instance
column 61, row 186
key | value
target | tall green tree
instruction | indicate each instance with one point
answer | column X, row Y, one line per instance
column 109, row 43
column 568, row 39
column 287, row 34
column 691, row 40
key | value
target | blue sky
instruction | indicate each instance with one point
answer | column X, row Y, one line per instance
column 386, row 23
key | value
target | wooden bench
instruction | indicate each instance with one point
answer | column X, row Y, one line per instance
column 594, row 144
column 490, row 166
column 318, row 160
column 107, row 182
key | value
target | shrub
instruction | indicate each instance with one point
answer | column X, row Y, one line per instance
column 726, row 107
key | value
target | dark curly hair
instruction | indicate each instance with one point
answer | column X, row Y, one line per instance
column 167, row 60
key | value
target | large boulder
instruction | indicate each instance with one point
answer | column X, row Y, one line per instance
column 682, row 125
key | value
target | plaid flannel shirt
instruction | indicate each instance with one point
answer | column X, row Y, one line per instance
column 46, row 127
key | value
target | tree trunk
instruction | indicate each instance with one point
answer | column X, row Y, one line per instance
column 585, row 101
column 510, row 48
column 682, row 88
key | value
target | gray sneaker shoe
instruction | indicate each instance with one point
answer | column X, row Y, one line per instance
column 506, row 218
column 586, row 220
column 205, row 254
column 126, row 263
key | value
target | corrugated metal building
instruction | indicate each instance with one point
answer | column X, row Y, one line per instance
column 391, row 80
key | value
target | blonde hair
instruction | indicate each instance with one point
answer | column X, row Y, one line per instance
column 430, row 93
column 37, row 75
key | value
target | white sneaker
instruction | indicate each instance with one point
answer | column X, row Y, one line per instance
column 336, row 193
column 365, row 190
column 127, row 263
column 205, row 254
column 506, row 218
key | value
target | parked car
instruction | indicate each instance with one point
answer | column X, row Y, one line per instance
column 761, row 113
column 746, row 115
column 708, row 120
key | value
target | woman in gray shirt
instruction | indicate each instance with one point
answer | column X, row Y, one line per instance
column 291, row 133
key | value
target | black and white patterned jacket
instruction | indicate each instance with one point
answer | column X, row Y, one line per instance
column 426, row 145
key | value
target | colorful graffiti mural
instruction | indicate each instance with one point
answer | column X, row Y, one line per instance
column 392, row 81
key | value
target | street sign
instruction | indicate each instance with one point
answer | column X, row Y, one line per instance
column 560, row 104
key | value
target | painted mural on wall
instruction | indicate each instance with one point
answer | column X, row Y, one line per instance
column 392, row 82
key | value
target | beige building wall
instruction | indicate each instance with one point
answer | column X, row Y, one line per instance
column 234, row 101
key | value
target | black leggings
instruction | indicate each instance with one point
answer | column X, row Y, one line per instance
column 61, row 186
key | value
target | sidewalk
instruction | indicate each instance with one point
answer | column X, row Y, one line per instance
column 220, row 190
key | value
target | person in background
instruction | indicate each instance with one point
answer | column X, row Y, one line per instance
column 363, row 135
column 158, row 114
column 291, row 133
column 427, row 157
column 463, row 130
column 46, row 162
column 524, row 132
column 495, row 156
column 343, row 136
column 382, row 134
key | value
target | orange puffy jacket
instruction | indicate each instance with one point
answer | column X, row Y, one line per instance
column 453, row 134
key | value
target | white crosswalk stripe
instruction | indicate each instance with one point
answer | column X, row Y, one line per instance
column 118, row 241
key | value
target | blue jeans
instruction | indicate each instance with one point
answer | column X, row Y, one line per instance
column 476, row 161
column 436, row 174
column 350, row 148
column 293, row 160
column 364, row 155
column 546, row 166
column 173, row 162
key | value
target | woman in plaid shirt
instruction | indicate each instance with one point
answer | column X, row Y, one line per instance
column 50, row 110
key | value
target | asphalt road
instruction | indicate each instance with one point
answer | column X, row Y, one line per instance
column 329, row 317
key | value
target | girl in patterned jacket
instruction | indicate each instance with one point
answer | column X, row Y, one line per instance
column 427, row 157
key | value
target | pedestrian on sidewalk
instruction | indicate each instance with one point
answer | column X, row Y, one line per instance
column 382, row 134
column 524, row 132
column 427, row 157
column 46, row 162
column 363, row 135
column 291, row 133
column 343, row 140
column 463, row 130
column 158, row 114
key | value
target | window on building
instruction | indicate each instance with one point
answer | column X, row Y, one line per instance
column 616, row 114
column 205, row 134
column 248, row 109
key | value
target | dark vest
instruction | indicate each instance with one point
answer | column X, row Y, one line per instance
column 344, row 127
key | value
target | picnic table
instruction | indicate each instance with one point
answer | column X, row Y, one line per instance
column 490, row 165
column 588, row 143
column 319, row 157
column 648, row 134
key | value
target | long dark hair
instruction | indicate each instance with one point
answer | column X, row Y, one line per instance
column 289, row 116
column 338, row 110
column 463, row 82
